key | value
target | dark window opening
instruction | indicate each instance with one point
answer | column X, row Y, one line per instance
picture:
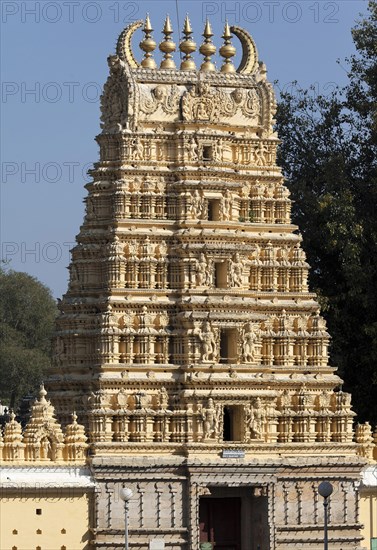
column 221, row 274
column 207, row 152
column 233, row 423
column 38, row 511
column 228, row 346
column 213, row 210
column 227, row 427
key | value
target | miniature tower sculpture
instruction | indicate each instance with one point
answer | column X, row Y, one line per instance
column 188, row 342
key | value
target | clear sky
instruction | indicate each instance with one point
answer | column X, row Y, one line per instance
column 53, row 66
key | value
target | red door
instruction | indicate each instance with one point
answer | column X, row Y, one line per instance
column 220, row 522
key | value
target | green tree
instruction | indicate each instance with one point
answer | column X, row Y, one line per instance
column 27, row 314
column 328, row 154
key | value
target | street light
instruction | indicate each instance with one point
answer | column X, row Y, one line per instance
column 325, row 489
column 125, row 494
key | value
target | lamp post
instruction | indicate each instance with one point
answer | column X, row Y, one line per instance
column 125, row 494
column 325, row 489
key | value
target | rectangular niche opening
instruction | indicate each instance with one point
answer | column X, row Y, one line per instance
column 207, row 152
column 233, row 423
column 221, row 274
column 213, row 210
column 228, row 345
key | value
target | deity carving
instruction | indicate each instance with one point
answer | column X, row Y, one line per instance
column 162, row 399
column 285, row 400
column 226, row 205
column 74, row 273
column 109, row 320
column 162, row 250
column 203, row 271
column 147, row 248
column 91, row 206
column 136, row 185
column 261, row 152
column 98, row 399
column 192, row 149
column 284, row 256
column 141, row 400
column 197, row 205
column 208, row 342
column 209, row 420
column 138, row 149
column 218, row 151
column 238, row 96
column 122, row 398
column 255, row 417
column 249, row 338
column 133, row 248
column 59, row 350
column 145, row 318
column 116, row 248
column 201, row 111
column 200, row 103
column 324, row 401
column 236, row 266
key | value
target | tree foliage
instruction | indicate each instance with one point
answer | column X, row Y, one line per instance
column 328, row 154
column 27, row 314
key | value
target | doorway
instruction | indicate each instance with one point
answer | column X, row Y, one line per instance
column 220, row 523
column 234, row 518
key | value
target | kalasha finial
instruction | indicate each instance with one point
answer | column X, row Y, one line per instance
column 42, row 393
column 148, row 45
column 167, row 46
column 207, row 49
column 227, row 51
column 187, row 46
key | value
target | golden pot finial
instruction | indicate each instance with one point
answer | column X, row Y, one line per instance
column 207, row 49
column 148, row 45
column 187, row 46
column 167, row 46
column 227, row 51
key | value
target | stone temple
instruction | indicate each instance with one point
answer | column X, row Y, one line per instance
column 188, row 341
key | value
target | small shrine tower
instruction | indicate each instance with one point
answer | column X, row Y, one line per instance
column 188, row 342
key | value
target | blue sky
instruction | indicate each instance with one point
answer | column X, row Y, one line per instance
column 53, row 66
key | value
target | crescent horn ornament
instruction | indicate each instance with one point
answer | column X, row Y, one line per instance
column 249, row 61
column 124, row 46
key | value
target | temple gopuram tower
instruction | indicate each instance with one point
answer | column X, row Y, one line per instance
column 188, row 341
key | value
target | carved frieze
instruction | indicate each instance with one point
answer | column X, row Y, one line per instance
column 164, row 96
column 204, row 103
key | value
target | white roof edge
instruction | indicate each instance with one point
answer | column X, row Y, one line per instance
column 46, row 477
column 369, row 476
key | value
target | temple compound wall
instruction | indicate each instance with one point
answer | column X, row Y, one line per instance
column 46, row 488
